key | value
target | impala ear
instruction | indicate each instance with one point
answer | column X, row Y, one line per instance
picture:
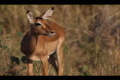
column 30, row 16
column 47, row 14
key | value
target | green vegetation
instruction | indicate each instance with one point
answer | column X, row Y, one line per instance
column 92, row 45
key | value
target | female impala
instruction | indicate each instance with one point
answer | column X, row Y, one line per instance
column 44, row 41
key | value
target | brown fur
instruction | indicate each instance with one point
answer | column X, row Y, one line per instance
column 40, row 46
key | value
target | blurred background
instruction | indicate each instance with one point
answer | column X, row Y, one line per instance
column 92, row 45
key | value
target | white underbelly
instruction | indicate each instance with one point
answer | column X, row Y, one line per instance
column 36, row 58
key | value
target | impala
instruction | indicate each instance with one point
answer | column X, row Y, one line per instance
column 43, row 41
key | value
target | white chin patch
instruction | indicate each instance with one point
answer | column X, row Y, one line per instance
column 51, row 34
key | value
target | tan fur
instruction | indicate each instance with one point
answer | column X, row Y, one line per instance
column 41, row 47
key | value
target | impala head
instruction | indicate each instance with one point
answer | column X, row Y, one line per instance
column 38, row 24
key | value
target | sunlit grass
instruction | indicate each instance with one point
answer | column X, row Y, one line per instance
column 92, row 44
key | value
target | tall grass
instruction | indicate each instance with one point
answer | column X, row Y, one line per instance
column 92, row 45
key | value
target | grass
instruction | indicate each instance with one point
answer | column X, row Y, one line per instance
column 92, row 44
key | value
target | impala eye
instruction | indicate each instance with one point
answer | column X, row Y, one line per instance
column 37, row 24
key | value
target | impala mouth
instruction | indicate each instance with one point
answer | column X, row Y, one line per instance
column 51, row 33
column 47, row 34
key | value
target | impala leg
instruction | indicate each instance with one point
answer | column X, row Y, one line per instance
column 29, row 69
column 45, row 66
column 52, row 60
column 60, row 61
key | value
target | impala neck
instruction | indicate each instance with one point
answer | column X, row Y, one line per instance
column 34, row 36
column 33, row 41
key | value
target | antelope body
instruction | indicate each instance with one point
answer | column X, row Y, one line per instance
column 44, row 41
